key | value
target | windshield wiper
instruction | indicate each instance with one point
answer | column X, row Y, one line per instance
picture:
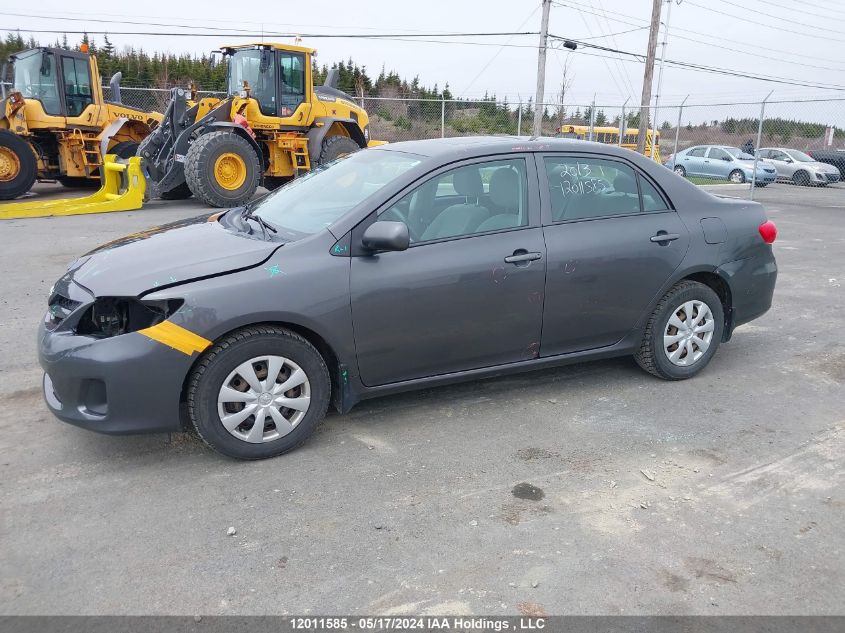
column 249, row 214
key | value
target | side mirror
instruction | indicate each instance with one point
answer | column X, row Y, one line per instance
column 386, row 236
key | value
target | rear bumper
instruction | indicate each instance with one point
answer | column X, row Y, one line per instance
column 752, row 283
column 120, row 385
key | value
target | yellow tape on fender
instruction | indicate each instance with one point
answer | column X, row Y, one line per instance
column 177, row 337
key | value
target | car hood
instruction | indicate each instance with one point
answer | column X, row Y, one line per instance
column 166, row 255
column 822, row 167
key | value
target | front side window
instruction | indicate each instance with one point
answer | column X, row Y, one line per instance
column 697, row 152
column 77, row 85
column 477, row 198
column 257, row 68
column 291, row 82
column 581, row 188
column 35, row 78
column 312, row 202
column 800, row 157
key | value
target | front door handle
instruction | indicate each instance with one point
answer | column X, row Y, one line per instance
column 522, row 256
column 664, row 237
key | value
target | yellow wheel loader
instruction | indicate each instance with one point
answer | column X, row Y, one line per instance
column 56, row 125
column 274, row 125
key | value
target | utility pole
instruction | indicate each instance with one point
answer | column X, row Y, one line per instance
column 648, row 76
column 660, row 76
column 541, row 70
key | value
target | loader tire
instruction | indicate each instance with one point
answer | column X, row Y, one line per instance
column 222, row 169
column 179, row 192
column 78, row 182
column 336, row 146
column 18, row 167
column 125, row 149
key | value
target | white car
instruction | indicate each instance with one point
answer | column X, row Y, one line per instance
column 798, row 167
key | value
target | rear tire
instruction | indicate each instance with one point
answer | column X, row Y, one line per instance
column 336, row 146
column 125, row 149
column 271, row 183
column 695, row 345
column 179, row 192
column 679, row 169
column 222, row 169
column 18, row 166
column 78, row 182
column 220, row 373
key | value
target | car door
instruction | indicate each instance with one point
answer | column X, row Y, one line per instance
column 783, row 163
column 606, row 258
column 693, row 161
column 467, row 293
column 718, row 163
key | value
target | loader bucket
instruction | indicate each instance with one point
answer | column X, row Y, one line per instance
column 122, row 189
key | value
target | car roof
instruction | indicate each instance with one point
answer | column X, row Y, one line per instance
column 446, row 149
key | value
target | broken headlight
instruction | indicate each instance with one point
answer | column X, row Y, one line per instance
column 112, row 316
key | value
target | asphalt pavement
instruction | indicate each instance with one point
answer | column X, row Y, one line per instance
column 589, row 489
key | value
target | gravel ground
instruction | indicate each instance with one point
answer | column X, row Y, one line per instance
column 589, row 489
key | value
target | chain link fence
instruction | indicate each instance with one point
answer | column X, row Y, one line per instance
column 812, row 126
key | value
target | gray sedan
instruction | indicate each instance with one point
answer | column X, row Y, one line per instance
column 401, row 267
column 799, row 168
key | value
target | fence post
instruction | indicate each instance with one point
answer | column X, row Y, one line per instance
column 623, row 124
column 757, row 147
column 592, row 118
column 678, row 132
column 519, row 119
column 442, row 116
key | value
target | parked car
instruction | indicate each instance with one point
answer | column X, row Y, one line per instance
column 798, row 167
column 835, row 157
column 401, row 267
column 721, row 162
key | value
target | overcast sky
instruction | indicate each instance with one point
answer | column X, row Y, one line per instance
column 806, row 52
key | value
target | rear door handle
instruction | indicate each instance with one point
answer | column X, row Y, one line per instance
column 662, row 236
column 519, row 257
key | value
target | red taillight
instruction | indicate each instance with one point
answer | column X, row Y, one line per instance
column 768, row 231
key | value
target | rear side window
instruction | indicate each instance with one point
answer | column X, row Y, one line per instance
column 581, row 188
column 652, row 201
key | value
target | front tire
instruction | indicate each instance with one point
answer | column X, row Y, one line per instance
column 259, row 375
column 18, row 167
column 179, row 192
column 336, row 146
column 125, row 149
column 736, row 176
column 801, row 178
column 683, row 332
column 222, row 169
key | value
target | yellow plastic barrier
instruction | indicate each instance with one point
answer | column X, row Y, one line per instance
column 122, row 190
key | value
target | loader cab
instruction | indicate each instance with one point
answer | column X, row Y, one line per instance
column 278, row 77
column 64, row 82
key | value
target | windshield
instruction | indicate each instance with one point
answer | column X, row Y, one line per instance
column 800, row 157
column 738, row 153
column 35, row 77
column 314, row 201
column 258, row 69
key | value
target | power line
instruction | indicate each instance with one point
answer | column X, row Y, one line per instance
column 704, row 68
column 708, row 35
column 802, row 11
column 768, row 26
column 791, row 20
column 612, row 38
column 498, row 52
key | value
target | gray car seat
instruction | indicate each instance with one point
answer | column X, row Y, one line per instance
column 505, row 198
column 460, row 219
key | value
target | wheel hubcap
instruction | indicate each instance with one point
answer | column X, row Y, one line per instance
column 230, row 171
column 736, row 177
column 10, row 165
column 264, row 399
column 688, row 333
